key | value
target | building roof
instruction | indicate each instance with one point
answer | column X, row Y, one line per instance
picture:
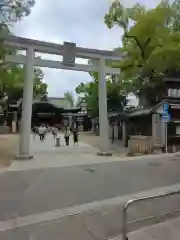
column 134, row 113
column 47, row 106
column 117, row 114
column 71, row 110
column 55, row 98
column 140, row 112
column 61, row 102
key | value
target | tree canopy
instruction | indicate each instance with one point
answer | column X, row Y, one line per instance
column 116, row 99
column 11, row 85
column 13, row 10
column 11, row 75
column 151, row 44
column 69, row 98
column 150, row 40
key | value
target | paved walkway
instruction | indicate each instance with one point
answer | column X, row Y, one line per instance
column 169, row 230
column 48, row 146
column 79, row 202
column 46, row 155
column 98, row 220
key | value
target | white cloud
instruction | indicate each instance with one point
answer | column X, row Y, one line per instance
column 132, row 100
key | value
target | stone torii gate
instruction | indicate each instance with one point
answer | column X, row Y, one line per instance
column 69, row 51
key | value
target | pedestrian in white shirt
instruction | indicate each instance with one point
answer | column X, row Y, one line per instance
column 58, row 137
column 42, row 131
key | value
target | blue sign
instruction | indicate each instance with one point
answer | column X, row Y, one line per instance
column 166, row 117
column 165, row 107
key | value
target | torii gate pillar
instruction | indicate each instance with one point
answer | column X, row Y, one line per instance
column 103, row 118
column 25, row 126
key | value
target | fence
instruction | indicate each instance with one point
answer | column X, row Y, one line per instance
column 125, row 223
column 140, row 145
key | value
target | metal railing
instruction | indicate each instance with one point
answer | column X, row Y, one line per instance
column 125, row 223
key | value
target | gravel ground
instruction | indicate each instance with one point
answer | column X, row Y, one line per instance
column 8, row 148
column 93, row 140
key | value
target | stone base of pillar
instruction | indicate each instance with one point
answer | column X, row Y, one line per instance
column 104, row 154
column 23, row 157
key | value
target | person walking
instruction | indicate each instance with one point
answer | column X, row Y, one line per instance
column 75, row 133
column 66, row 135
column 42, row 131
column 54, row 132
column 75, row 137
column 58, row 138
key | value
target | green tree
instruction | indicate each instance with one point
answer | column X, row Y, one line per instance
column 40, row 88
column 116, row 99
column 11, row 83
column 11, row 86
column 78, row 101
column 151, row 43
column 89, row 94
column 13, row 10
column 69, row 98
column 12, row 76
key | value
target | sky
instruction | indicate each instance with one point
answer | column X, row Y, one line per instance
column 79, row 21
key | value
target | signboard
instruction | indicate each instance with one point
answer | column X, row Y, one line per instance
column 165, row 107
column 175, row 106
column 69, row 54
column 166, row 117
column 178, row 130
column 174, row 92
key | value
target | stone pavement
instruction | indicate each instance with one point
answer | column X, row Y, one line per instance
column 98, row 220
column 35, row 191
column 169, row 230
column 46, row 155
column 48, row 146
column 43, row 199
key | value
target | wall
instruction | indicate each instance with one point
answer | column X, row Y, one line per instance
column 141, row 125
column 116, row 131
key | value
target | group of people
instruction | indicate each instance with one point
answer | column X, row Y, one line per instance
column 42, row 130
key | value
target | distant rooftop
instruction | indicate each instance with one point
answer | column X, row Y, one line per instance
column 60, row 102
column 55, row 98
